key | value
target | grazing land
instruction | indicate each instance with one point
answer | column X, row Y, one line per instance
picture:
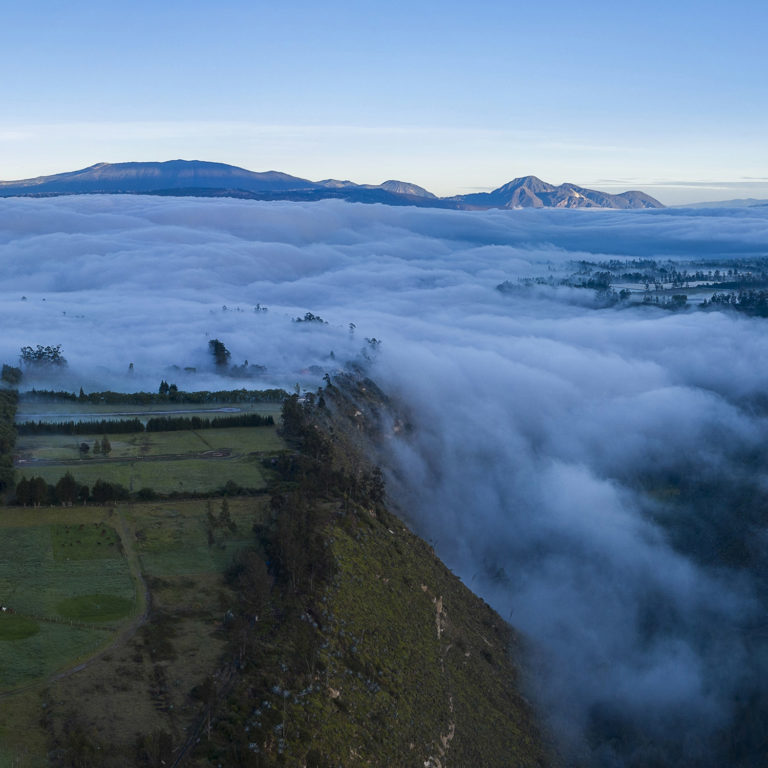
column 114, row 613
column 41, row 585
column 131, row 597
column 187, row 461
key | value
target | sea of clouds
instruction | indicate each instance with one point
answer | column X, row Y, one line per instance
column 550, row 437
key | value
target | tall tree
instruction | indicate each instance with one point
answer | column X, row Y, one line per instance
column 38, row 491
column 66, row 490
column 220, row 353
column 23, row 492
column 11, row 375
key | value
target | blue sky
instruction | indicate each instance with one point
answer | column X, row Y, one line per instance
column 668, row 97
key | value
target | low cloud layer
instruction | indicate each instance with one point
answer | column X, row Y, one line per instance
column 597, row 474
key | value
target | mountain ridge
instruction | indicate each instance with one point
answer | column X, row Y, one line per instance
column 740, row 202
column 532, row 192
column 209, row 179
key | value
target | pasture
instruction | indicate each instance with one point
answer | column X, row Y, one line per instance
column 37, row 579
column 70, row 576
column 186, row 461
column 75, row 580
column 114, row 614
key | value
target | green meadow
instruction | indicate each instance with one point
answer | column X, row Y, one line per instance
column 183, row 461
column 40, row 577
column 75, row 581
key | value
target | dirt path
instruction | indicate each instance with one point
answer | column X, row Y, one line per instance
column 125, row 633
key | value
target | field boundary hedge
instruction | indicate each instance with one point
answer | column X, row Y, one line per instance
column 154, row 424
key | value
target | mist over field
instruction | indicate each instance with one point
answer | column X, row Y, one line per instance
column 597, row 473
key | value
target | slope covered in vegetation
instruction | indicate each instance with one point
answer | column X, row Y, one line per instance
column 303, row 626
column 357, row 646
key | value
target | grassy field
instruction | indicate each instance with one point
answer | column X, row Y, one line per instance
column 74, row 578
column 238, row 440
column 173, row 540
column 131, row 596
column 189, row 461
column 188, row 475
column 37, row 579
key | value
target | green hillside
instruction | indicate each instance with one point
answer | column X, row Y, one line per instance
column 306, row 626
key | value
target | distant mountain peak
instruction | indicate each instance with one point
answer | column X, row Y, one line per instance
column 405, row 188
column 204, row 178
column 144, row 177
column 532, row 192
column 529, row 180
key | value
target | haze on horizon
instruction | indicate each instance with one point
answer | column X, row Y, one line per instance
column 670, row 100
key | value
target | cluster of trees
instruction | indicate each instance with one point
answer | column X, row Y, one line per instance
column 9, row 399
column 600, row 282
column 750, row 302
column 675, row 302
column 653, row 275
column 166, row 389
column 42, row 356
column 310, row 318
column 99, row 446
column 176, row 423
column 659, row 277
column 247, row 370
column 221, row 354
column 36, row 492
column 118, row 426
column 11, row 375
column 129, row 426
column 315, row 467
column 656, row 273
column 298, row 550
column 584, row 278
column 150, row 398
column 222, row 357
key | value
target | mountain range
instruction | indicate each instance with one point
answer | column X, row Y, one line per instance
column 741, row 202
column 204, row 179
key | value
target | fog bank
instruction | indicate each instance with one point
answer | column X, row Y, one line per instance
column 597, row 474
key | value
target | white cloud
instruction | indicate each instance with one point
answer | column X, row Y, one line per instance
column 544, row 428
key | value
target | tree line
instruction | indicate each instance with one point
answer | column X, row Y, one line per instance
column 175, row 423
column 117, row 426
column 9, row 400
column 750, row 302
column 37, row 492
column 150, row 398
column 155, row 424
